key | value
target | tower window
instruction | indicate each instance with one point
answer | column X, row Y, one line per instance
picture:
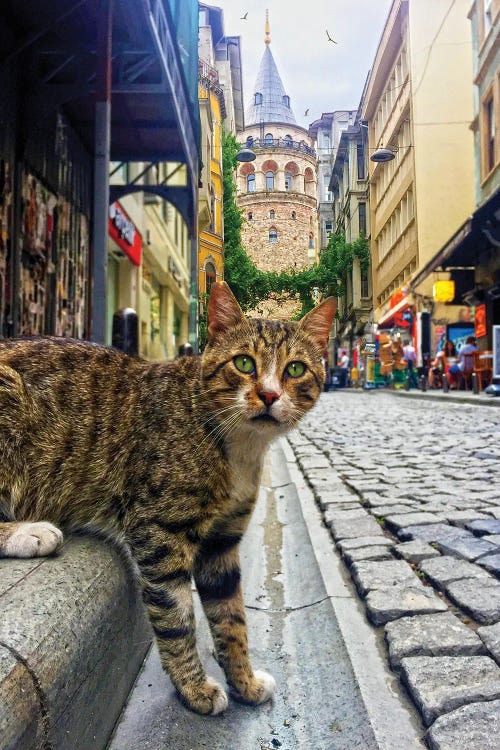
column 288, row 138
column 257, row 98
column 269, row 180
column 311, row 241
column 249, row 142
column 268, row 140
column 250, row 216
column 271, row 214
column 251, row 183
column 286, row 101
column 288, row 180
column 294, row 215
column 273, row 235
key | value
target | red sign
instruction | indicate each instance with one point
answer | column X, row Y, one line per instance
column 480, row 321
column 123, row 231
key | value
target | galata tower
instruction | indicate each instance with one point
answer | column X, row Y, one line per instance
column 278, row 191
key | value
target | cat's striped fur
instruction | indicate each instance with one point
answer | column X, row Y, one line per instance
column 165, row 457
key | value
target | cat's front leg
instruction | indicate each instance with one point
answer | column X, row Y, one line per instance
column 165, row 562
column 217, row 576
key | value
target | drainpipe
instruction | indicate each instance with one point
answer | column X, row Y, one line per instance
column 102, row 137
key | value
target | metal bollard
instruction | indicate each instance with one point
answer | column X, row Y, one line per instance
column 475, row 383
column 446, row 385
column 423, row 383
column 125, row 331
column 185, row 350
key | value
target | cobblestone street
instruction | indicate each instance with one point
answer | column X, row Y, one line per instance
column 410, row 491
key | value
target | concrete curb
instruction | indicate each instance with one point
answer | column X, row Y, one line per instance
column 73, row 635
column 452, row 397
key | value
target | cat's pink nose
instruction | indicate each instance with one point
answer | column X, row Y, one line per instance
column 268, row 397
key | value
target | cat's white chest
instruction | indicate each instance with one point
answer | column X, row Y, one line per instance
column 245, row 460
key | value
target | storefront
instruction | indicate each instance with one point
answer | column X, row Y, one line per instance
column 124, row 260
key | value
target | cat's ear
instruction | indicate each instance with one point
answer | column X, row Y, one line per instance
column 318, row 321
column 224, row 311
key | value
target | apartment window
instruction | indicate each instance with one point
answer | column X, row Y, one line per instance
column 251, row 183
column 360, row 158
column 269, row 180
column 329, row 227
column 268, row 140
column 288, row 180
column 362, row 218
column 210, row 277
column 488, row 134
column 487, row 16
column 273, row 235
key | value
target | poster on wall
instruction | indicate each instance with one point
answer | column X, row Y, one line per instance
column 458, row 333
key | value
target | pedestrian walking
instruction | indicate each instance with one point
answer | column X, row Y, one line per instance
column 344, row 368
column 410, row 358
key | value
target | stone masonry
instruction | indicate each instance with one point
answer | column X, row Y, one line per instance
column 409, row 490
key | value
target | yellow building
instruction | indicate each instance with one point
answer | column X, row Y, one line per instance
column 418, row 104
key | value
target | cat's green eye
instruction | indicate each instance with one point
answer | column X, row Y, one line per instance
column 295, row 369
column 244, row 364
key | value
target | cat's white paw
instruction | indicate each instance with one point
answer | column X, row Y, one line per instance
column 220, row 701
column 33, row 540
column 268, row 682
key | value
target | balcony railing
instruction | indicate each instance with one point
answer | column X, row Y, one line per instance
column 270, row 143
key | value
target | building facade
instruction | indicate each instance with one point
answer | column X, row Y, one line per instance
column 351, row 215
column 425, row 192
column 326, row 132
column 277, row 192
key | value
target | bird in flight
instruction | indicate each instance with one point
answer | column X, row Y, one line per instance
column 244, row 18
column 306, row 112
column 330, row 38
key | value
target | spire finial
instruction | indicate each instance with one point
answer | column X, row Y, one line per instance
column 267, row 40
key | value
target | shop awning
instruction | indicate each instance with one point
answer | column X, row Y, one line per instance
column 154, row 90
column 470, row 242
column 395, row 317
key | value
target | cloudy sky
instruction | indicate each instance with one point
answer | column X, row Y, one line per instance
column 316, row 73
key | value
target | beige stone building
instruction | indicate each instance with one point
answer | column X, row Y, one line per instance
column 418, row 105
column 278, row 191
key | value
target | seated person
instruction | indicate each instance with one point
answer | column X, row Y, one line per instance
column 458, row 368
column 445, row 358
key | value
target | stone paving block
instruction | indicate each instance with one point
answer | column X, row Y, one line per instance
column 364, row 541
column 493, row 538
column 469, row 547
column 350, row 529
column 463, row 517
column 440, row 634
column 431, row 532
column 307, row 449
column 376, row 575
column 478, row 722
column 415, row 552
column 373, row 500
column 443, row 570
column 484, row 526
column 419, row 518
column 491, row 563
column 439, row 684
column 377, row 552
column 490, row 635
column 325, row 497
column 354, row 514
column 390, row 510
column 494, row 511
column 390, row 603
column 318, row 461
column 480, row 599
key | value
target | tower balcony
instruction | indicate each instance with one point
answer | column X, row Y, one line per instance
column 271, row 144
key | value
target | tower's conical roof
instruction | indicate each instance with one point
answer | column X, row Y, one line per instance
column 270, row 102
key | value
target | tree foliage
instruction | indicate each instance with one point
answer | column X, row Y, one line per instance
column 251, row 286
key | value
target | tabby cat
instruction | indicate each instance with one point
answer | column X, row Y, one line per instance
column 165, row 457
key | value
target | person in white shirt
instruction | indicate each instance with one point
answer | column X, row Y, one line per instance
column 411, row 360
column 344, row 367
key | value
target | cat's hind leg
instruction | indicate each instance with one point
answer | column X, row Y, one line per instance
column 29, row 539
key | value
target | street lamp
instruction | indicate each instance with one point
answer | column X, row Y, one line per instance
column 382, row 155
column 246, row 154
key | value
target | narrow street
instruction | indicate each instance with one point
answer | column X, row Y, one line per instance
column 307, row 624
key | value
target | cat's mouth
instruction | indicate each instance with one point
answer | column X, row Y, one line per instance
column 265, row 418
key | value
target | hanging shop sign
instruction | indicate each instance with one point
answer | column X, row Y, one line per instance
column 124, row 233
column 480, row 321
column 443, row 291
